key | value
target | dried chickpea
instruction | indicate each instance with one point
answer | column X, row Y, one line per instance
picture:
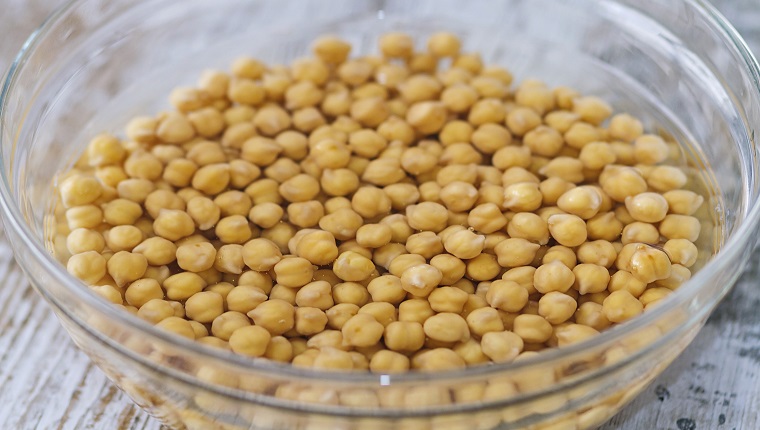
column 501, row 346
column 620, row 306
column 396, row 45
column 89, row 266
column 522, row 197
column 683, row 202
column 553, row 276
column 266, row 215
column 420, row 279
column 82, row 240
column 293, row 272
column 568, row 230
column 78, row 190
column 681, row 251
column 680, row 227
column 507, row 296
column 123, row 238
column 515, row 252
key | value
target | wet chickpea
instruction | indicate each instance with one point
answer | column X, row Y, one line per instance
column 409, row 210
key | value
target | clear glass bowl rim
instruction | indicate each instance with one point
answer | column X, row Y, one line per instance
column 13, row 219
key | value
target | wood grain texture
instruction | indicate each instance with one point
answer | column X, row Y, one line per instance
column 47, row 384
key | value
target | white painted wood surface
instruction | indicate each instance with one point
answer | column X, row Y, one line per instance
column 46, row 383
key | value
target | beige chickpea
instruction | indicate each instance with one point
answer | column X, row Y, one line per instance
column 396, row 45
column 567, row 229
column 404, row 336
column 591, row 109
column 583, row 201
column 683, row 202
column 250, row 340
column 596, row 155
column 464, row 244
column 452, row 268
column 203, row 212
column 264, row 191
column 522, row 197
column 82, row 240
column 647, row 207
column 125, row 267
column 501, row 346
column 486, row 218
column 79, row 190
column 446, row 327
column 105, row 149
column 625, row 127
column 604, row 226
column 136, row 190
column 370, row 202
column 331, row 49
column 275, row 315
column 261, row 254
column 515, row 252
column 340, row 313
column 532, row 328
column 645, row 262
column 562, row 254
column 459, row 196
column 681, row 251
column 233, row 229
column 157, row 250
column 402, row 195
column 244, row 298
column 309, row 321
column 174, row 128
column 123, row 238
column 484, row 267
column 573, row 333
column 142, row 129
column 639, row 232
column 418, row 88
column 680, row 227
column 293, row 272
column 508, row 296
column 266, row 215
column 554, row 276
column 89, row 266
column 420, row 279
column 204, row 307
column 529, row 226
column 590, row 278
column 599, row 252
column 427, row 117
column 521, row 120
column 282, row 169
column 536, row 97
column 353, row 267
column 650, row 149
column 227, row 323
column 427, row 216
column 317, row 294
column 362, row 330
column 620, row 306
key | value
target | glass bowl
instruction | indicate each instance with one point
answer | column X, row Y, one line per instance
column 95, row 63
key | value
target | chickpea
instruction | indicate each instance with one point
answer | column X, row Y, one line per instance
column 568, row 230
column 427, row 117
column 396, row 45
column 515, row 252
column 507, row 296
column 420, row 279
column 89, row 266
column 680, row 227
column 591, row 278
column 620, row 306
column 459, row 196
column 650, row 149
column 501, row 346
column 427, row 216
column 353, row 267
column 370, row 202
column 293, row 272
column 362, row 330
column 645, row 262
column 464, row 244
column 522, row 197
column 446, row 327
column 78, row 190
column 123, row 238
column 529, row 226
column 275, row 315
column 681, row 251
column 604, row 226
column 82, row 240
column 683, row 202
column 599, row 252
column 486, row 218
column 554, row 276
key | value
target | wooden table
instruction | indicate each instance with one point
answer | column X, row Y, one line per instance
column 46, row 383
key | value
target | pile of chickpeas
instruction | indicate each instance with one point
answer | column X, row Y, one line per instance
column 410, row 210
